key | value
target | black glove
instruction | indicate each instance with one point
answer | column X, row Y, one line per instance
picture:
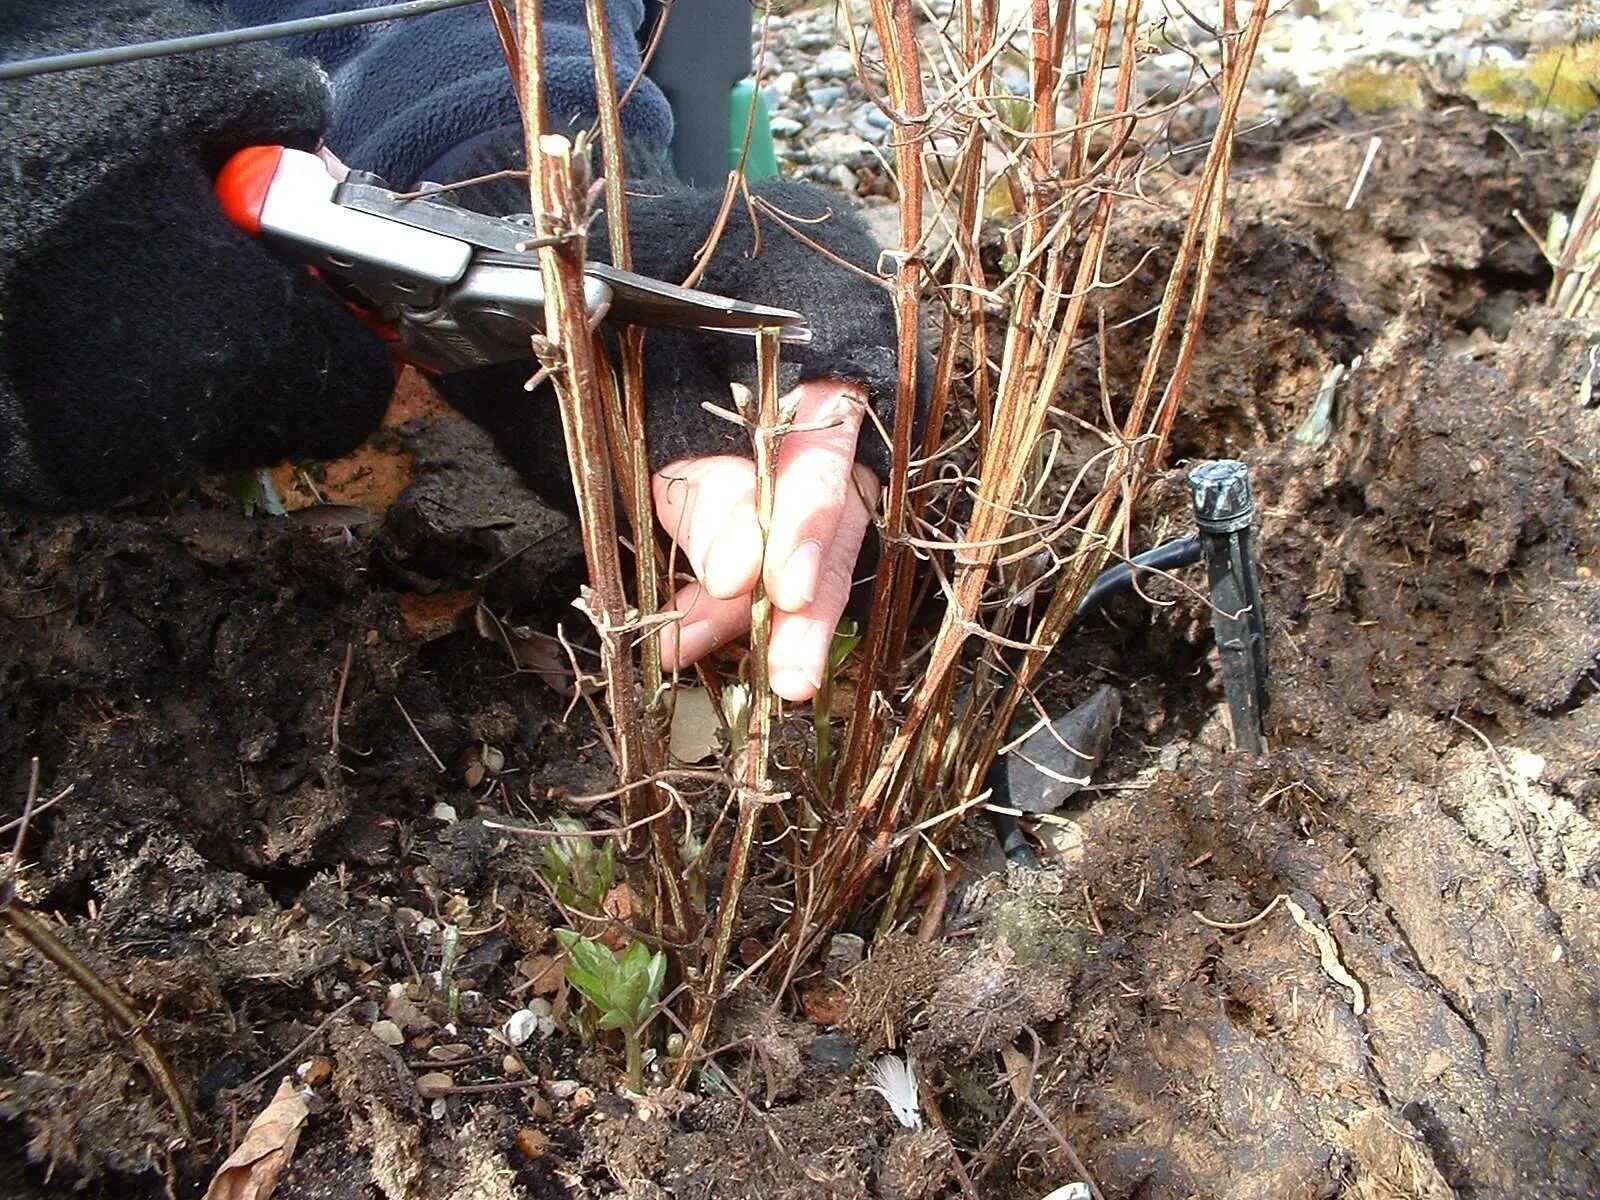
column 852, row 321
column 143, row 338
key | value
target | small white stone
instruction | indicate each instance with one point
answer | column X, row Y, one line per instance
column 443, row 812
column 1526, row 764
column 519, row 1027
column 544, row 1016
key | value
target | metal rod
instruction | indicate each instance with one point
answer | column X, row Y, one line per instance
column 110, row 55
column 1225, row 512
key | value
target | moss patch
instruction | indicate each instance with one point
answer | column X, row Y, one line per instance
column 1561, row 83
column 1369, row 89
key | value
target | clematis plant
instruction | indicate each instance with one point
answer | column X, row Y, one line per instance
column 624, row 988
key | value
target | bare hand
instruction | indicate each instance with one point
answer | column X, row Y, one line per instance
column 822, row 505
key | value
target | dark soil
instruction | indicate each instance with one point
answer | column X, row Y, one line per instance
column 1364, row 965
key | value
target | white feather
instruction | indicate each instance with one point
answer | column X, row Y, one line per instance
column 896, row 1081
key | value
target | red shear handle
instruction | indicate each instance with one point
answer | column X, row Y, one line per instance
column 241, row 188
column 243, row 183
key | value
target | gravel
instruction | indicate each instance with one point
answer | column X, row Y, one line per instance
column 828, row 127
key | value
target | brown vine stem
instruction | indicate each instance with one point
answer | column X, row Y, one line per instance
column 559, row 202
column 755, row 785
column 625, row 414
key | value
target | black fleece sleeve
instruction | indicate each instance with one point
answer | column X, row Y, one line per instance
column 142, row 337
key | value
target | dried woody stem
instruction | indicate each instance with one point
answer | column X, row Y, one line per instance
column 898, row 37
column 754, row 791
column 559, row 203
column 1071, row 186
column 625, row 413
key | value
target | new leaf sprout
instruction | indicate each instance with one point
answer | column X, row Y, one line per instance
column 623, row 988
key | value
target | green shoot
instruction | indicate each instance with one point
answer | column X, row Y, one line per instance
column 449, row 955
column 580, row 874
column 624, row 988
column 845, row 639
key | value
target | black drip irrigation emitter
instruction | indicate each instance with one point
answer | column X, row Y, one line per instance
column 1225, row 513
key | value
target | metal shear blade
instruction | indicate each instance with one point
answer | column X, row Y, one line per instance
column 634, row 299
column 638, row 300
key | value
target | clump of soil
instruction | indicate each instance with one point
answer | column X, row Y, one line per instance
column 1366, row 964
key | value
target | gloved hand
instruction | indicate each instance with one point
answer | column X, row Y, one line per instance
column 143, row 338
column 704, row 477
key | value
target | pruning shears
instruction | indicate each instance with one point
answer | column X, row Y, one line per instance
column 454, row 288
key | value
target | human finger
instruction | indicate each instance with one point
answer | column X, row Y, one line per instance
column 797, row 654
column 705, row 623
column 707, row 506
column 812, row 489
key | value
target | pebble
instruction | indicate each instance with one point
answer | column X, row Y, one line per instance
column 833, row 64
column 825, row 97
column 544, row 1014
column 434, row 1085
column 780, row 88
column 833, row 1050
column 519, row 1027
column 841, row 148
column 845, row 952
column 388, row 1033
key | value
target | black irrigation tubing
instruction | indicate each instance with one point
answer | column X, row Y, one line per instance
column 110, row 55
column 1169, row 556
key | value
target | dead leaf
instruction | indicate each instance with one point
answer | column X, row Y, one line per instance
column 252, row 1170
column 695, row 725
column 544, row 973
column 1019, row 1071
column 823, row 1002
column 531, row 651
column 430, row 617
column 617, row 904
